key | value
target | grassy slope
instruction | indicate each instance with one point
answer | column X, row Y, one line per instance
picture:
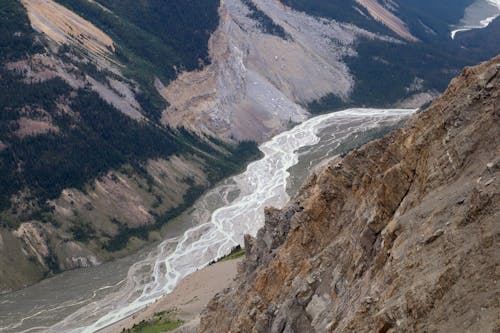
column 161, row 322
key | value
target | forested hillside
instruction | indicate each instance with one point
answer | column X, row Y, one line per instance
column 59, row 137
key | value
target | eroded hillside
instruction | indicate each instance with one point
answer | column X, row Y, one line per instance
column 268, row 62
column 400, row 235
column 64, row 26
column 384, row 15
column 86, row 173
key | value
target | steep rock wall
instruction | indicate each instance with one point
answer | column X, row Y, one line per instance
column 401, row 235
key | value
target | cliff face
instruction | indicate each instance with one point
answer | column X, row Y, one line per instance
column 400, row 235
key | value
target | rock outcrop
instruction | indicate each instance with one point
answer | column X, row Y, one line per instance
column 400, row 235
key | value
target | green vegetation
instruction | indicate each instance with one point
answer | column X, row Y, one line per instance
column 17, row 43
column 99, row 139
column 420, row 15
column 219, row 165
column 157, row 38
column 16, row 35
column 236, row 252
column 95, row 137
column 184, row 26
column 482, row 40
column 161, row 322
column 326, row 104
column 340, row 10
column 385, row 71
column 82, row 232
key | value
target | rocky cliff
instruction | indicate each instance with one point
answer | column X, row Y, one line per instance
column 400, row 235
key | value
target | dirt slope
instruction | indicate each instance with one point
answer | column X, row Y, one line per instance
column 65, row 27
column 380, row 13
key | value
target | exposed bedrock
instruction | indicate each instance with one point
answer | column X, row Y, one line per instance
column 401, row 235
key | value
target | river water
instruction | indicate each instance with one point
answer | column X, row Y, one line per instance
column 87, row 300
column 478, row 15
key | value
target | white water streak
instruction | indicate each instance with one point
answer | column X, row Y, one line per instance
column 482, row 24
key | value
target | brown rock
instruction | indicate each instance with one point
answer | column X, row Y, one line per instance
column 402, row 236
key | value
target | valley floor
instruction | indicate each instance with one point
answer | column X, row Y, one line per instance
column 188, row 299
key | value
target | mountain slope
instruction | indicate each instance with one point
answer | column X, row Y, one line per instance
column 401, row 235
column 260, row 78
column 86, row 173
column 272, row 62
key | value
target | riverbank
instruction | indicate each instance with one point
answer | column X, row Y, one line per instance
column 187, row 300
